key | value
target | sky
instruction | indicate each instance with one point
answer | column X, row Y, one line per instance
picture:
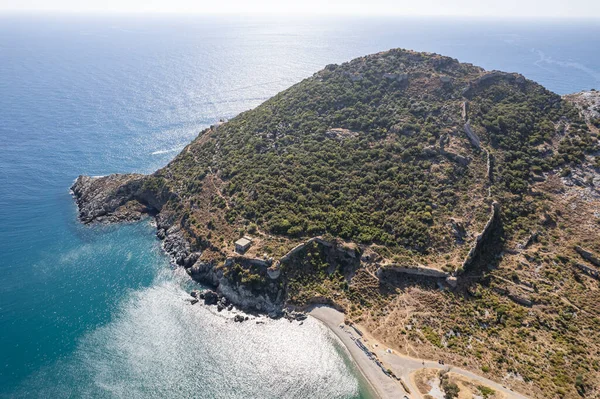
column 464, row 8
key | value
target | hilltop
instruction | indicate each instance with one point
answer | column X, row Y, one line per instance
column 451, row 211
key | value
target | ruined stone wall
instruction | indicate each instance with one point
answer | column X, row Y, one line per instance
column 490, row 77
column 318, row 240
column 483, row 237
column 587, row 255
column 415, row 271
column 588, row 270
column 473, row 138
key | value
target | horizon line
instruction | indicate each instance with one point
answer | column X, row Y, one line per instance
column 50, row 12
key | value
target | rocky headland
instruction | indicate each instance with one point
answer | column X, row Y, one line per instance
column 445, row 208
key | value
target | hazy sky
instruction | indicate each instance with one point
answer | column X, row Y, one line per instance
column 489, row 8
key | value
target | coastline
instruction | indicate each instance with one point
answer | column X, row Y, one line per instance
column 381, row 385
column 402, row 366
column 91, row 204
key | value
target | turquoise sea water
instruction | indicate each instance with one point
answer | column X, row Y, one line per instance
column 97, row 311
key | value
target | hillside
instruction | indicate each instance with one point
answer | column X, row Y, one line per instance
column 451, row 211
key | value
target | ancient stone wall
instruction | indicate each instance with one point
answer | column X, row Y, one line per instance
column 415, row 271
column 587, row 255
column 473, row 138
column 483, row 237
column 588, row 270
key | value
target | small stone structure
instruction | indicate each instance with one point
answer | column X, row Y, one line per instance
column 216, row 126
column 242, row 245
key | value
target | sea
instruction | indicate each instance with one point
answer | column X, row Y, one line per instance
column 98, row 311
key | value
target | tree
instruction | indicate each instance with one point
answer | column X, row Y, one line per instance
column 451, row 390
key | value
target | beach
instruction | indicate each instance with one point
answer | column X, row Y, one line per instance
column 382, row 385
column 403, row 367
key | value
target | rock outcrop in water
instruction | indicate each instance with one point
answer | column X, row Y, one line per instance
column 116, row 198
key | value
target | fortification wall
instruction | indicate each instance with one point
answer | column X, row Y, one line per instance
column 415, row 271
column 481, row 239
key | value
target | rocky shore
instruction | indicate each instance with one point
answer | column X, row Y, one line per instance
column 128, row 198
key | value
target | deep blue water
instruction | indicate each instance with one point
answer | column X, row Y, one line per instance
column 97, row 311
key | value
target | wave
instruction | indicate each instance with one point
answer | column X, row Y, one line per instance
column 159, row 152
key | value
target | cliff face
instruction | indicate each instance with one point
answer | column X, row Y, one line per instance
column 126, row 198
column 379, row 182
column 114, row 198
column 104, row 198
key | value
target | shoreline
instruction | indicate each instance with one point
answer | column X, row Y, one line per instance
column 381, row 385
column 402, row 366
